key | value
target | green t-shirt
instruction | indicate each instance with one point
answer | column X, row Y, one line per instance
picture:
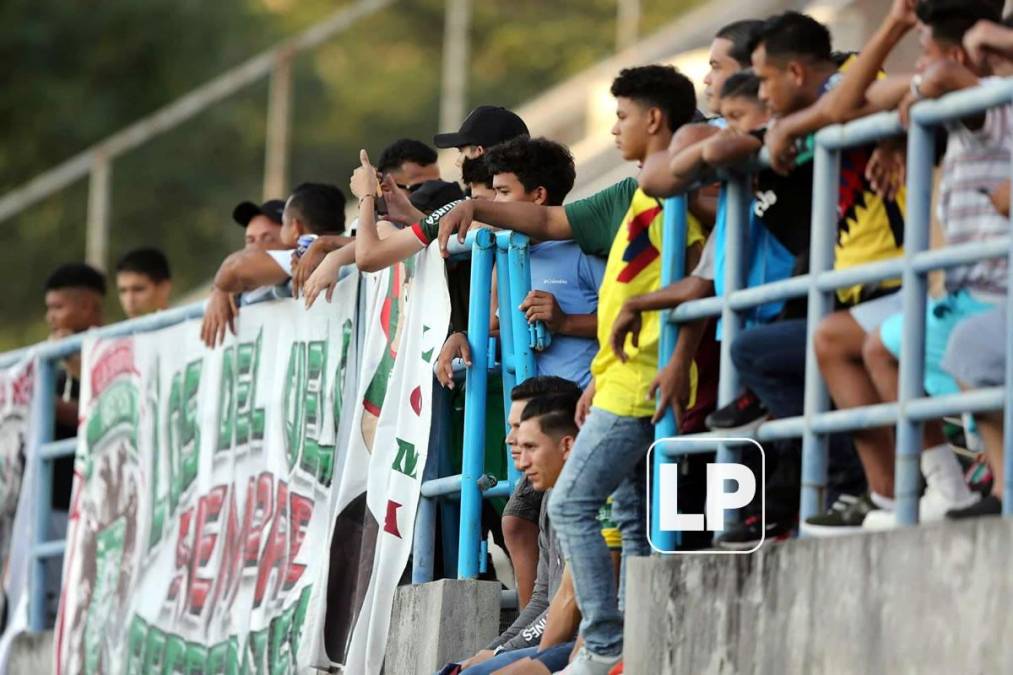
column 596, row 219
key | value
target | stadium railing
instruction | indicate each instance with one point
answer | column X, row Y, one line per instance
column 913, row 408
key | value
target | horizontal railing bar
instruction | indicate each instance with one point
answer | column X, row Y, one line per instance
column 796, row 287
column 58, row 349
column 57, row 449
column 49, row 549
column 854, row 419
column 451, row 485
column 961, row 254
column 964, row 103
column 859, row 132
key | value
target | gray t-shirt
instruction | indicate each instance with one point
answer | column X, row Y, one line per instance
column 705, row 268
column 526, row 631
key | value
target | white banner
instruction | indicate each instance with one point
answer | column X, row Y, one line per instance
column 17, row 505
column 251, row 509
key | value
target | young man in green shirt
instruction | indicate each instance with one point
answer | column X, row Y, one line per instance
column 624, row 224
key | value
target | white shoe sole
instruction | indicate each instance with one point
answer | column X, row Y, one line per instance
column 809, row 530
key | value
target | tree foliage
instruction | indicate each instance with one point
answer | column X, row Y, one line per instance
column 76, row 71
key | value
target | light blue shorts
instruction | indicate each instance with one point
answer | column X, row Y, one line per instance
column 941, row 317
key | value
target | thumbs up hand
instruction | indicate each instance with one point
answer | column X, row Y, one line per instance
column 364, row 179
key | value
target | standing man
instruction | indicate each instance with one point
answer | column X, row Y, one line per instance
column 624, row 224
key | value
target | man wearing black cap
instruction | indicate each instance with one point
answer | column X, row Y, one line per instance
column 262, row 223
column 484, row 127
column 313, row 208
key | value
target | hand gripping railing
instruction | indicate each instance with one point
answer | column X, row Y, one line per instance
column 912, row 410
column 518, row 341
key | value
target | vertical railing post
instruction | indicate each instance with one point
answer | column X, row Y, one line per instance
column 454, row 84
column 907, row 476
column 627, row 23
column 673, row 268
column 507, row 317
column 40, row 434
column 738, row 198
column 826, row 187
column 279, row 125
column 1007, row 493
column 475, row 391
column 520, row 286
column 97, row 234
column 424, row 542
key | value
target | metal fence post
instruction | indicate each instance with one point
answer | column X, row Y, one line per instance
column 826, row 187
column 738, row 199
column 1007, row 494
column 99, row 191
column 507, row 317
column 39, row 435
column 476, row 388
column 520, row 286
column 673, row 268
column 424, row 541
column 279, row 125
column 907, row 476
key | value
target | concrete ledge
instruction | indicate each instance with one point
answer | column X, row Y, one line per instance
column 934, row 599
column 439, row 622
column 31, row 654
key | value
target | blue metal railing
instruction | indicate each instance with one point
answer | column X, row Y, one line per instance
column 518, row 341
column 912, row 410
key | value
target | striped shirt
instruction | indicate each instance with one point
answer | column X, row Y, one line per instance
column 976, row 162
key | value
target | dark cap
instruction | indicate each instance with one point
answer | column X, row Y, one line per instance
column 433, row 194
column 247, row 211
column 934, row 10
column 486, row 125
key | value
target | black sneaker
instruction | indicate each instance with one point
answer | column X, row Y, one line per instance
column 747, row 534
column 743, row 413
column 845, row 515
column 986, row 506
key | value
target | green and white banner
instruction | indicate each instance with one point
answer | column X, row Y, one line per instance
column 250, row 509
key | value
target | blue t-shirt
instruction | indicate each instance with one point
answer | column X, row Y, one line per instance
column 767, row 260
column 573, row 277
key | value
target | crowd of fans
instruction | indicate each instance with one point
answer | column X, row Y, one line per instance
column 580, row 430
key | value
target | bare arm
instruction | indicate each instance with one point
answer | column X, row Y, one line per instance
column 730, row 150
column 658, row 177
column 374, row 253
column 538, row 222
column 248, row 269
column 564, row 615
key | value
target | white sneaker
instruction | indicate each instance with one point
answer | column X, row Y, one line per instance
column 932, row 508
column 587, row 663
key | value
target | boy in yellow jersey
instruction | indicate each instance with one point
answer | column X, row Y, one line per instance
column 624, row 224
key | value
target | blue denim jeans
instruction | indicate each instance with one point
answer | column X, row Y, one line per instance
column 607, row 459
column 554, row 658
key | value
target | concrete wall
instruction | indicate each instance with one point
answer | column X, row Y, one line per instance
column 440, row 622
column 934, row 599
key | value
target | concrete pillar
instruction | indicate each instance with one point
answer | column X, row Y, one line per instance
column 97, row 233
column 279, row 125
column 440, row 622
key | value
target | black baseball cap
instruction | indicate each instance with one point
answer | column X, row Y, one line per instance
column 933, row 10
column 486, row 125
column 433, row 194
column 247, row 211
